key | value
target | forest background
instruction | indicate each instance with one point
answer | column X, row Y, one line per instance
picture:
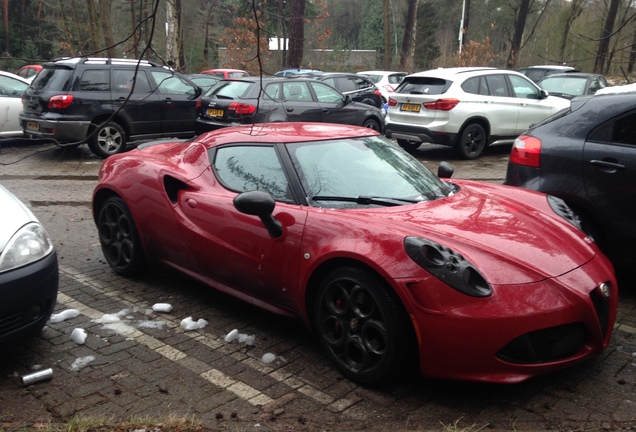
column 410, row 35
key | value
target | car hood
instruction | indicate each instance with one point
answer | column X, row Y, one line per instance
column 510, row 235
column 14, row 215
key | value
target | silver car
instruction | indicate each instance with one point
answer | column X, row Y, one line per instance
column 467, row 108
column 28, row 271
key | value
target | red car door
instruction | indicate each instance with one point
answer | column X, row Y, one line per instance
column 235, row 249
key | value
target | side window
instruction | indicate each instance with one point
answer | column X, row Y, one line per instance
column 296, row 91
column 523, row 88
column 497, row 85
column 168, row 83
column 346, row 85
column 95, row 80
column 326, row 94
column 621, row 130
column 273, row 91
column 361, row 83
column 248, row 167
column 594, row 85
column 123, row 80
column 471, row 85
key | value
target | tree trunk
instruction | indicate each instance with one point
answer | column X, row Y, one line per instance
column 137, row 31
column 466, row 22
column 93, row 26
column 171, row 35
column 296, row 34
column 283, row 25
column 5, row 13
column 520, row 25
column 104, row 17
column 603, row 45
column 576, row 8
column 408, row 43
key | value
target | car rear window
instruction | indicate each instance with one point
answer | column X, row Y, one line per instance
column 53, row 79
column 230, row 89
column 423, row 85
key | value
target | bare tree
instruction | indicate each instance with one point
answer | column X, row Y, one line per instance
column 104, row 18
column 5, row 14
column 606, row 32
column 296, row 34
column 575, row 9
column 520, row 25
column 408, row 43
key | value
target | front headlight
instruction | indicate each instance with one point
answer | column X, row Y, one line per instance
column 561, row 208
column 448, row 266
column 31, row 243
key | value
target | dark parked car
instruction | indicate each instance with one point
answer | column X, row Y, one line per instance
column 586, row 155
column 107, row 103
column 28, row 271
column 570, row 85
column 244, row 101
column 537, row 73
column 359, row 87
column 395, row 269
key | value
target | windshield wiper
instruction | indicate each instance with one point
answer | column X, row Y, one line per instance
column 367, row 200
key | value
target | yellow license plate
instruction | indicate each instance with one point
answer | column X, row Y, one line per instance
column 33, row 126
column 215, row 112
column 411, row 107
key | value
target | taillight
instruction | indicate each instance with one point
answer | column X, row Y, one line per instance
column 60, row 101
column 377, row 92
column 198, row 104
column 526, row 150
column 242, row 108
column 441, row 104
column 392, row 102
column 388, row 88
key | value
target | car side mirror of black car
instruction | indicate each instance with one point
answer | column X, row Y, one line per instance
column 445, row 170
column 261, row 204
column 347, row 100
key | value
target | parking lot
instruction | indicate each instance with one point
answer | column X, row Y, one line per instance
column 140, row 363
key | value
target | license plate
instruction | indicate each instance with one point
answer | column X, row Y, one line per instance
column 215, row 112
column 410, row 107
column 33, row 126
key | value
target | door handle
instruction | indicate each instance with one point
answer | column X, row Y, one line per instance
column 608, row 165
column 168, row 100
column 289, row 109
column 325, row 111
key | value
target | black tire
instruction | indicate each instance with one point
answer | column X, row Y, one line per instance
column 372, row 124
column 108, row 139
column 408, row 145
column 363, row 327
column 119, row 237
column 471, row 142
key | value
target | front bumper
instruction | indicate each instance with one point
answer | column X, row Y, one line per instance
column 27, row 298
column 519, row 332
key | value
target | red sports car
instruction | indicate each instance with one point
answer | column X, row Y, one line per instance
column 388, row 264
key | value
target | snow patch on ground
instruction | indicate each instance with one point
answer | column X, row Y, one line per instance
column 81, row 362
column 64, row 315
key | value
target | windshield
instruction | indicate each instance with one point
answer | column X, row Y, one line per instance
column 568, row 85
column 357, row 172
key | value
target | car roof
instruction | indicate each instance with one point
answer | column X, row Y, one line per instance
column 450, row 72
column 283, row 132
column 380, row 72
column 571, row 74
column 550, row 67
column 12, row 75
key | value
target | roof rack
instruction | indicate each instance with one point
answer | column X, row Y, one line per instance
column 105, row 60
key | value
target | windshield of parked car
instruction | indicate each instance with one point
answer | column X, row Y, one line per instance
column 574, row 86
column 358, row 172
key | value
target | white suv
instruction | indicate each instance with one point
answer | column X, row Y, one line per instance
column 467, row 108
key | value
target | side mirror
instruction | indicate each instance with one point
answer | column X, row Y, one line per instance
column 543, row 94
column 445, row 170
column 347, row 99
column 261, row 204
